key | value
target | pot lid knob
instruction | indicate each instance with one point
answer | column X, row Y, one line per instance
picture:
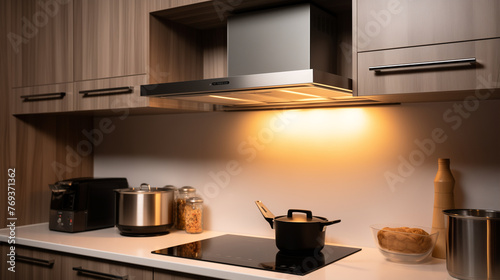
column 307, row 212
column 145, row 186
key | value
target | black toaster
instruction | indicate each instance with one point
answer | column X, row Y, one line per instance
column 82, row 204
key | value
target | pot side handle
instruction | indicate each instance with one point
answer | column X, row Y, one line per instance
column 330, row 223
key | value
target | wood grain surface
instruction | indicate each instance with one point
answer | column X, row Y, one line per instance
column 102, row 266
column 42, row 37
column 20, row 105
column 450, row 78
column 25, row 270
column 110, row 38
column 48, row 149
column 384, row 24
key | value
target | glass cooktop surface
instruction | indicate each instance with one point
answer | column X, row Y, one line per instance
column 254, row 252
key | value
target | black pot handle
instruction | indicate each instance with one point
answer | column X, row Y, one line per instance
column 323, row 225
column 266, row 213
column 307, row 212
column 330, row 223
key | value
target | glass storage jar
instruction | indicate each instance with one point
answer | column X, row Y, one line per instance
column 180, row 202
column 194, row 215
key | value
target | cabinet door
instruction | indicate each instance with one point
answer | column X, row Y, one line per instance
column 172, row 275
column 115, row 93
column 384, row 24
column 111, row 38
column 42, row 42
column 123, row 94
column 429, row 76
column 31, row 264
column 42, row 99
column 80, row 268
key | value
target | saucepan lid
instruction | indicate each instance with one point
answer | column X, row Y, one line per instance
column 307, row 218
column 474, row 214
column 146, row 188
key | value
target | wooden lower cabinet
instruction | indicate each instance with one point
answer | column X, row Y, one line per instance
column 75, row 267
column 31, row 264
column 40, row 264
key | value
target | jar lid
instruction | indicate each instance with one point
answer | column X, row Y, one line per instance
column 187, row 189
column 194, row 200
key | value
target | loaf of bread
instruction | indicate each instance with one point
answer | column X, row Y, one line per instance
column 401, row 240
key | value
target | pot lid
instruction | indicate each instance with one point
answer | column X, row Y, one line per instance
column 307, row 218
column 146, row 188
column 473, row 214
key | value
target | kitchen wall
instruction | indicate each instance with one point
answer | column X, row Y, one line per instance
column 363, row 165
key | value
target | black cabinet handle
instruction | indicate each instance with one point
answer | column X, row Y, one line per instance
column 97, row 274
column 47, row 263
column 106, row 91
column 43, row 96
column 471, row 60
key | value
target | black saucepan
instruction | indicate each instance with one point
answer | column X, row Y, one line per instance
column 297, row 233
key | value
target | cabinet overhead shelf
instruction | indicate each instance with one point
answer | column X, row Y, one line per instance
column 213, row 14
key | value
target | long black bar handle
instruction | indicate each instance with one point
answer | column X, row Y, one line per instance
column 47, row 263
column 107, row 91
column 471, row 60
column 43, row 96
column 101, row 275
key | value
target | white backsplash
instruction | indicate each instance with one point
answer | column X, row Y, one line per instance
column 363, row 165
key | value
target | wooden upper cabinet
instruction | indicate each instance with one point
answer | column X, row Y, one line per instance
column 42, row 42
column 110, row 38
column 441, row 72
column 386, row 24
column 42, row 99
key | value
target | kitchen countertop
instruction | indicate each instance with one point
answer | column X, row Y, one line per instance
column 368, row 264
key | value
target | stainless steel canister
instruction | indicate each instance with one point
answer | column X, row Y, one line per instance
column 473, row 244
column 145, row 211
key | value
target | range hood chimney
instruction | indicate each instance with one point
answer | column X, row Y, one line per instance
column 279, row 57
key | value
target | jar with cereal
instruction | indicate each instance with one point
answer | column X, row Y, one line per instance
column 183, row 194
column 194, row 215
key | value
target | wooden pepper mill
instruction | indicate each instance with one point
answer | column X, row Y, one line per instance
column 444, row 184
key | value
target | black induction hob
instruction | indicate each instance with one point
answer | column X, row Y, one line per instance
column 254, row 252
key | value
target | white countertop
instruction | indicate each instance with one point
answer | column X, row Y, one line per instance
column 368, row 264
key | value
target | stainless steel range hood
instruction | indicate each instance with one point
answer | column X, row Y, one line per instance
column 280, row 57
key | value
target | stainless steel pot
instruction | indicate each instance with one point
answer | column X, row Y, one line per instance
column 145, row 211
column 473, row 244
column 297, row 233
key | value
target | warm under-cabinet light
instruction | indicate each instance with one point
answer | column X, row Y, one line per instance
column 234, row 98
column 313, row 97
column 344, row 122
